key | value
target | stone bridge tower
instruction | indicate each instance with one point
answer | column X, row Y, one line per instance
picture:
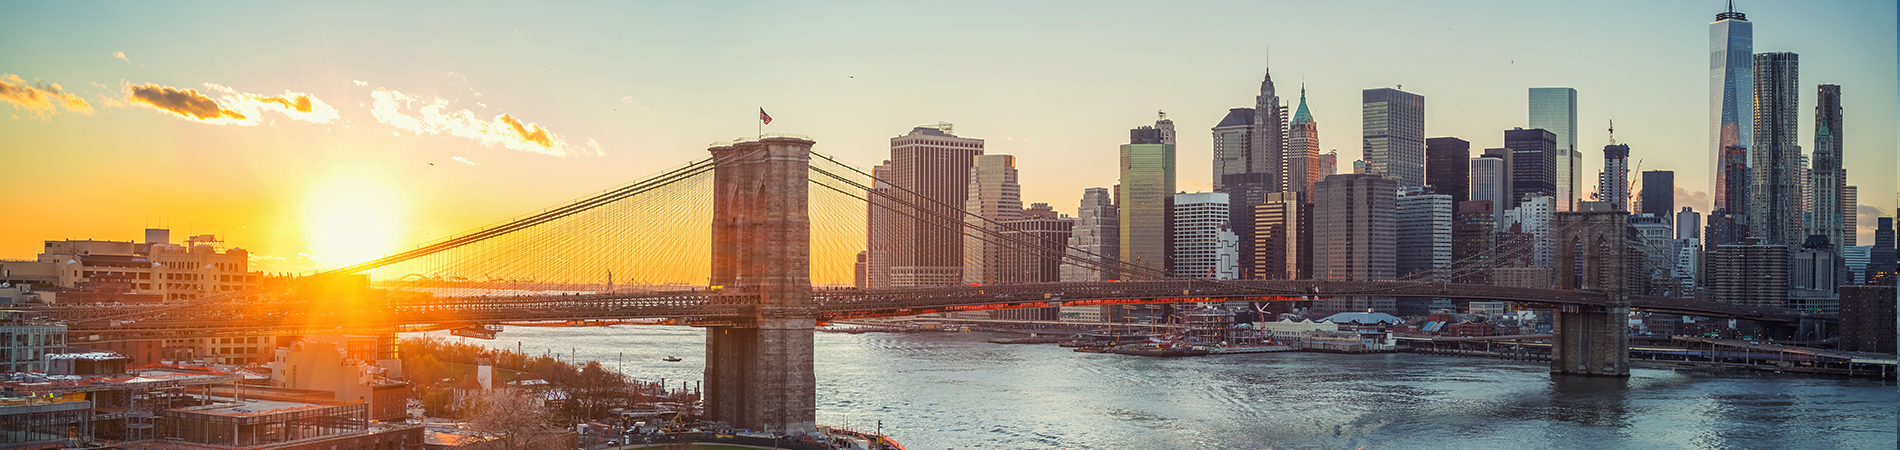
column 1592, row 340
column 759, row 367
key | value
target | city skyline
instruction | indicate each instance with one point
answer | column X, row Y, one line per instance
column 368, row 146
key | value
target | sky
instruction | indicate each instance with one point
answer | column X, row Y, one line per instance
column 338, row 130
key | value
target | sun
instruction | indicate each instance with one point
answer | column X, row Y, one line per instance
column 351, row 220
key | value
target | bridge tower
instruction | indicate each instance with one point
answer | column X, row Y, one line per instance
column 1592, row 340
column 759, row 372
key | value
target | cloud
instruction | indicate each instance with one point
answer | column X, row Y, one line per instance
column 1696, row 199
column 121, row 56
column 1866, row 220
column 628, row 99
column 40, row 98
column 360, row 82
column 464, row 161
column 432, row 117
column 232, row 107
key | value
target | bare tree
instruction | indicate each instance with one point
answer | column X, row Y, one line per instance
column 513, row 418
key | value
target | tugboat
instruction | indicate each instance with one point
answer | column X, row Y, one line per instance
column 671, row 359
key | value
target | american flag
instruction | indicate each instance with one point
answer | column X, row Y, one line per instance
column 763, row 117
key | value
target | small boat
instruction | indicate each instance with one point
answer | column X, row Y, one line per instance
column 671, row 359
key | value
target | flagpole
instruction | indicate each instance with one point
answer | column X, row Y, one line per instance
column 761, row 121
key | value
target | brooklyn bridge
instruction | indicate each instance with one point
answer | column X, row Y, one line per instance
column 732, row 242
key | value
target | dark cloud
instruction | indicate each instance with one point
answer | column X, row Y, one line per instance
column 184, row 102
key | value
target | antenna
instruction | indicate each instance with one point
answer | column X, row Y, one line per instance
column 1163, row 114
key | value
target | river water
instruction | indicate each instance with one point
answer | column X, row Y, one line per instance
column 955, row 391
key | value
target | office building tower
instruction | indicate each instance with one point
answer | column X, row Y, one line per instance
column 1827, row 178
column 1775, row 213
column 1688, row 224
column 1303, row 166
column 1533, row 160
column 1204, row 245
column 1490, row 182
column 1525, row 234
column 881, row 221
column 1145, row 202
column 1448, row 167
column 1282, row 245
column 1233, row 145
column 1473, row 229
column 1731, row 96
column 1881, row 258
column 1244, row 192
column 1354, row 237
column 930, row 168
column 1816, row 270
column 1613, row 184
column 1856, row 259
column 1659, row 193
column 1354, row 228
column 1654, row 255
column 1095, row 239
column 1268, row 154
column 1728, row 223
column 1043, row 242
column 1555, row 109
column 1393, row 135
column 1040, row 211
column 1750, row 274
column 1867, row 319
column 994, row 199
column 1850, row 215
column 1328, row 165
column 1424, row 232
column 1688, row 268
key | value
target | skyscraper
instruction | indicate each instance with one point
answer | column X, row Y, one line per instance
column 1328, row 165
column 1473, row 228
column 1244, row 192
column 1728, row 223
column 1490, row 182
column 1881, row 260
column 1613, row 184
column 1268, row 154
column 1659, row 192
column 1850, row 216
column 1688, row 224
column 1424, row 232
column 1096, row 238
column 994, row 199
column 1555, row 109
column 1233, row 145
column 1448, row 167
column 930, row 168
column 880, row 229
column 1393, row 134
column 1731, row 94
column 1204, row 245
column 1775, row 213
column 1283, row 238
column 1302, row 150
column 1146, row 202
column 1533, row 160
column 1354, row 228
column 1828, row 214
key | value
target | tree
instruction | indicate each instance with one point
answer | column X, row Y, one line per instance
column 596, row 389
column 512, row 418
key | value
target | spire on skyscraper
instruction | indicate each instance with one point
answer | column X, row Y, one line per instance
column 1301, row 115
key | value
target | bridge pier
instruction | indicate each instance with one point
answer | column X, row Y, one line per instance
column 1589, row 340
column 759, row 373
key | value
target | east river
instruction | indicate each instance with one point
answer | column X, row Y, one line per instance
column 955, row 391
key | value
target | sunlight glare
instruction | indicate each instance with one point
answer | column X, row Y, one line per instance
column 351, row 220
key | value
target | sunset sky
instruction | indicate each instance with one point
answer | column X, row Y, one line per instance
column 339, row 128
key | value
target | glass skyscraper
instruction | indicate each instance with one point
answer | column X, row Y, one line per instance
column 1775, row 210
column 1554, row 109
column 1731, row 93
column 1146, row 202
column 1394, row 134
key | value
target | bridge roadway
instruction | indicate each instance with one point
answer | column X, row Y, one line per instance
column 700, row 308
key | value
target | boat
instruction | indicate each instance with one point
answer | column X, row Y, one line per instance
column 1231, row 349
column 671, row 359
column 1158, row 350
